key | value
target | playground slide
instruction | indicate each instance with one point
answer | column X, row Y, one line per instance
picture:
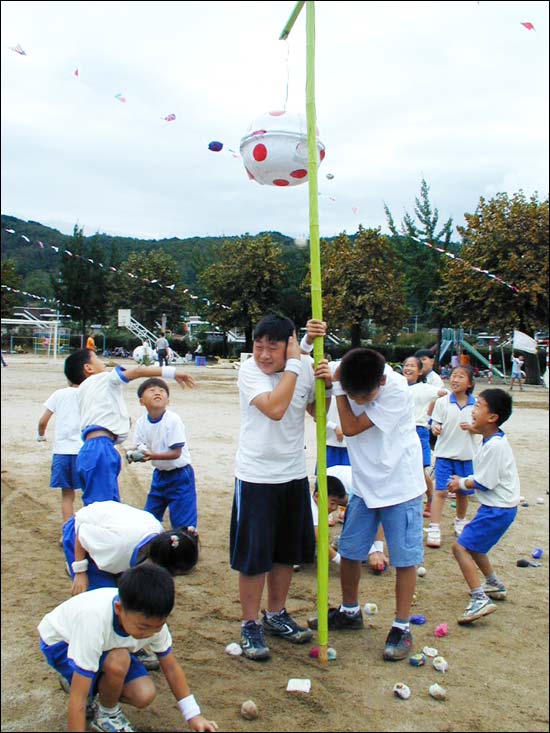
column 482, row 359
column 443, row 350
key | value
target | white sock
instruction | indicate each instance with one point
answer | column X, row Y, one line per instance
column 350, row 610
column 108, row 711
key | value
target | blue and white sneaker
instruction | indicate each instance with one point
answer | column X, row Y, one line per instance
column 283, row 625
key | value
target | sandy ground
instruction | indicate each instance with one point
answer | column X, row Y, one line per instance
column 498, row 667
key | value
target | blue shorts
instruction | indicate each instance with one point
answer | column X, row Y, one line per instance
column 402, row 529
column 486, row 528
column 271, row 523
column 98, row 465
column 176, row 491
column 424, row 435
column 56, row 656
column 96, row 578
column 447, row 467
column 64, row 474
column 337, row 455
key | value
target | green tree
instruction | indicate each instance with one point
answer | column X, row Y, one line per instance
column 421, row 265
column 362, row 284
column 150, row 284
column 508, row 237
column 81, row 282
column 244, row 283
column 10, row 279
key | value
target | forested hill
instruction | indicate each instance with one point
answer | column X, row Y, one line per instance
column 29, row 256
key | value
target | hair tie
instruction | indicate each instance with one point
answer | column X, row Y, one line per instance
column 174, row 540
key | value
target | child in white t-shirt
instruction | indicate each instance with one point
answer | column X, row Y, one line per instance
column 91, row 641
column 63, row 403
column 162, row 439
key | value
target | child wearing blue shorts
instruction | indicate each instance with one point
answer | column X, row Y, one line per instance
column 454, row 449
column 496, row 483
column 91, row 639
column 377, row 416
column 104, row 419
column 63, row 403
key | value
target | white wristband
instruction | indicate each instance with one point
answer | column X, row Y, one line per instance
column 462, row 483
column 377, row 546
column 294, row 366
column 336, row 559
column 188, row 706
column 80, row 566
column 169, row 372
column 305, row 345
column 337, row 390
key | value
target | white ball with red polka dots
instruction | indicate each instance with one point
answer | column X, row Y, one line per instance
column 274, row 150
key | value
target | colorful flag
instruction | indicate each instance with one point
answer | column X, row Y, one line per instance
column 528, row 25
column 18, row 50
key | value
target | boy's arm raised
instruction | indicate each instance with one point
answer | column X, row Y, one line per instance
column 186, row 380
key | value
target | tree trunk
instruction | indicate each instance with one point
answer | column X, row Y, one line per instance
column 355, row 333
column 532, row 369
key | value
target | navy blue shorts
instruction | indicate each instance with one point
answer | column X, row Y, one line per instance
column 98, row 466
column 176, row 491
column 424, row 435
column 271, row 523
column 64, row 474
column 486, row 528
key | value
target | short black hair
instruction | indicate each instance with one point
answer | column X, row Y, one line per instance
column 499, row 403
column 334, row 488
column 424, row 352
column 74, row 365
column 421, row 377
column 361, row 371
column 274, row 328
column 176, row 550
column 152, row 382
column 147, row 589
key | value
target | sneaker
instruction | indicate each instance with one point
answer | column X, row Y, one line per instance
column 398, row 644
column 117, row 723
column 433, row 538
column 253, row 642
column 477, row 608
column 284, row 625
column 459, row 525
column 495, row 592
column 148, row 659
column 340, row 620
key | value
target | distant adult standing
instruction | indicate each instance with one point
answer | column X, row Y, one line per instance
column 90, row 343
column 162, row 346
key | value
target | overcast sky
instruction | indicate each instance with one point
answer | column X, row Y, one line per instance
column 455, row 92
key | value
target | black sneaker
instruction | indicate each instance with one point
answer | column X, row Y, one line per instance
column 340, row 621
column 398, row 644
column 148, row 659
column 253, row 642
column 284, row 625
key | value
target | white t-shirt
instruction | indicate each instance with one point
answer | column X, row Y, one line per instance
column 423, row 395
column 64, row 404
column 386, row 459
column 272, row 451
column 434, row 379
column 453, row 442
column 495, row 469
column 110, row 532
column 88, row 624
column 162, row 435
column 333, row 419
column 102, row 403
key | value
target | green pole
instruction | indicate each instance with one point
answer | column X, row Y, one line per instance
column 318, row 347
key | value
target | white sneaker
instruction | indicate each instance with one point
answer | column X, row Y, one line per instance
column 117, row 723
column 433, row 538
column 459, row 525
column 477, row 608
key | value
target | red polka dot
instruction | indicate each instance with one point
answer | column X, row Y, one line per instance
column 277, row 114
column 300, row 173
column 259, row 152
column 250, row 174
column 322, row 154
column 280, row 182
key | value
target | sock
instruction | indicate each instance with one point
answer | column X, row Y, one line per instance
column 247, row 620
column 433, row 525
column 493, row 580
column 478, row 593
column 108, row 711
column 351, row 610
column 402, row 623
column 270, row 614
